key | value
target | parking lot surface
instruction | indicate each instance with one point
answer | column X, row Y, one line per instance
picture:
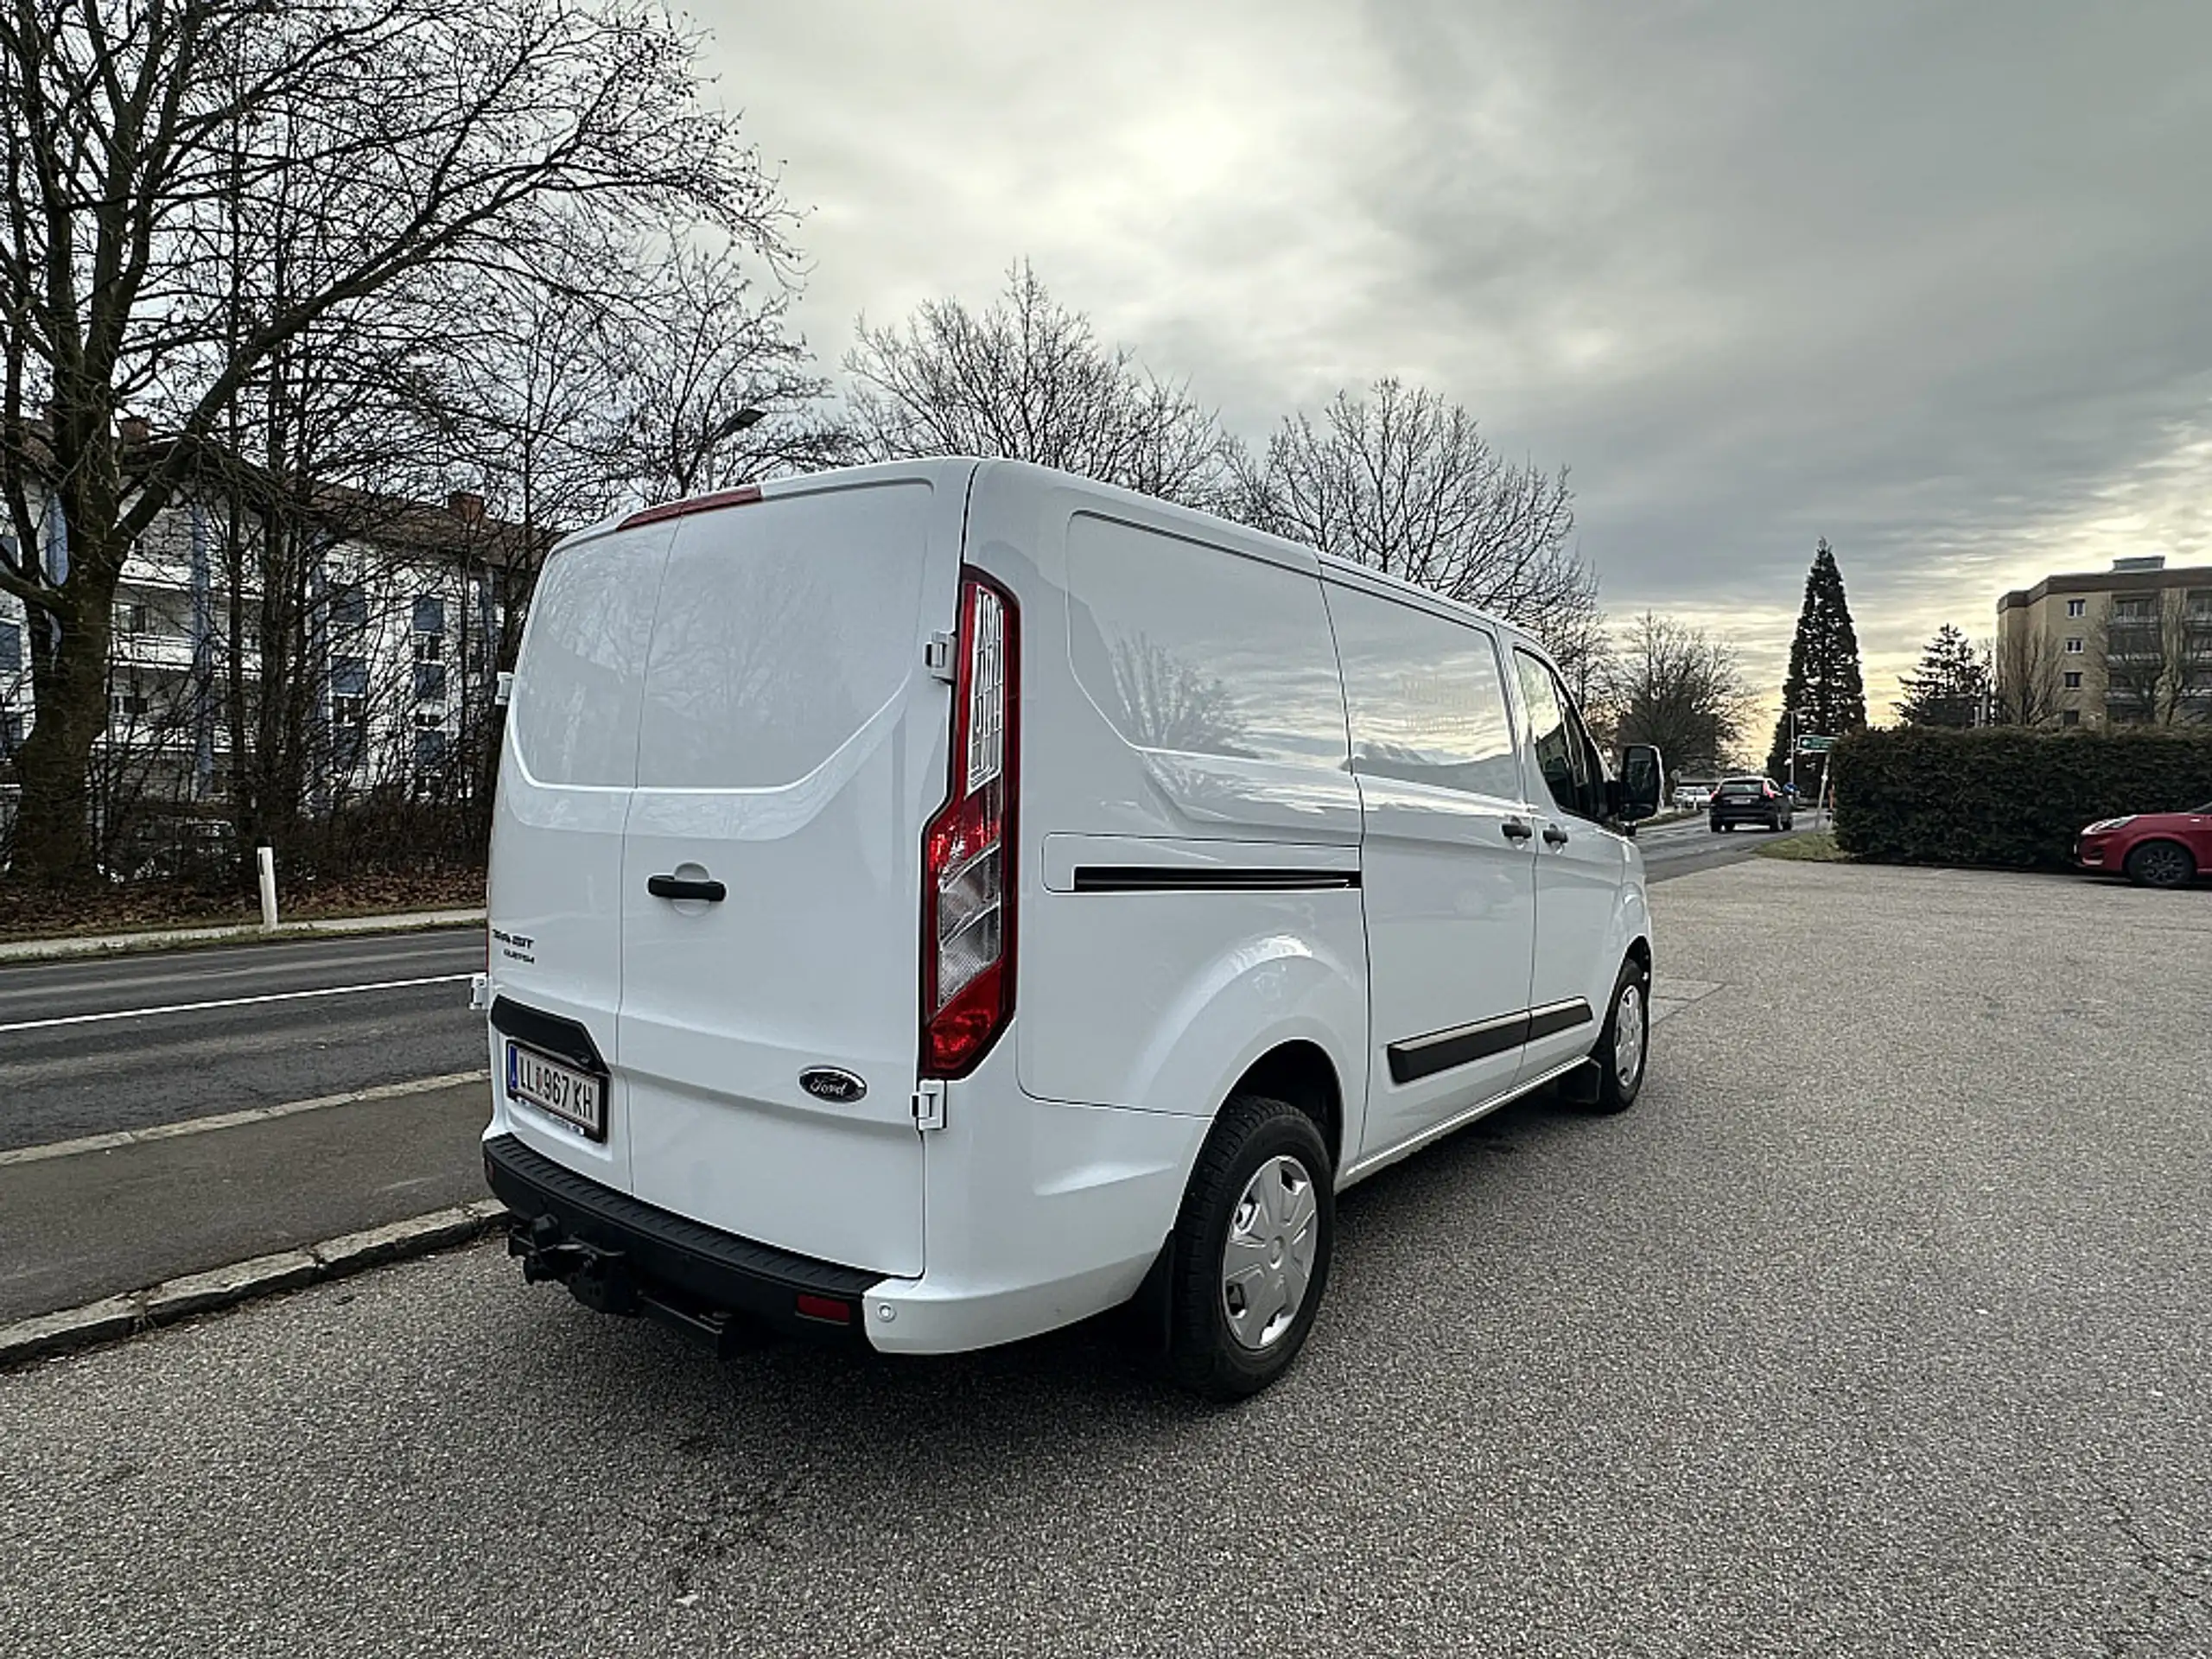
column 1881, row 1326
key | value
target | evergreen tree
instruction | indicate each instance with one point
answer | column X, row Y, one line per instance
column 1950, row 688
column 1825, row 694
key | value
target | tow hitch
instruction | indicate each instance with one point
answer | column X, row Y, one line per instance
column 598, row 1279
column 602, row 1281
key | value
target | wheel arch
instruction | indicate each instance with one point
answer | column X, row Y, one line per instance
column 1300, row 1071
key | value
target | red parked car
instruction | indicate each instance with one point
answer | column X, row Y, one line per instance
column 2153, row 849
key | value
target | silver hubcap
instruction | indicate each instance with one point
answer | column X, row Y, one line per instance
column 1268, row 1261
column 1628, row 1035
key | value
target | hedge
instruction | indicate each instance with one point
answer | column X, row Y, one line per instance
column 2004, row 796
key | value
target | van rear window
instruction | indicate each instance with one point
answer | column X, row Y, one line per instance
column 783, row 627
column 582, row 672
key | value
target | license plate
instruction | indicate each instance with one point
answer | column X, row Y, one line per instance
column 576, row 1098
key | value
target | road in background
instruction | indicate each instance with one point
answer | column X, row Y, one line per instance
column 1672, row 849
column 92, row 1046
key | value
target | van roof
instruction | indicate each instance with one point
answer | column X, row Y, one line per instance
column 1191, row 521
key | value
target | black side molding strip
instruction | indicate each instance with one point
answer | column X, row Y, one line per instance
column 1204, row 878
column 565, row 1039
column 1442, row 1051
column 1555, row 1017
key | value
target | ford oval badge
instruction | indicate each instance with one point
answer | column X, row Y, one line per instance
column 827, row 1083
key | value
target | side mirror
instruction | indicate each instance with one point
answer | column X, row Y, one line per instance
column 1642, row 783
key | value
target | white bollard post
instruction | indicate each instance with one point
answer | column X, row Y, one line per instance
column 265, row 859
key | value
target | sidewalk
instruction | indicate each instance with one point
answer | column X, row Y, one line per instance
column 112, row 1218
column 171, row 938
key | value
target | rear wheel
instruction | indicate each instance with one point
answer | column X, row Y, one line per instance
column 1625, row 1043
column 1251, row 1249
column 2161, row 864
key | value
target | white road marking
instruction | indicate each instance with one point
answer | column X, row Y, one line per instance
column 109, row 1141
column 229, row 1002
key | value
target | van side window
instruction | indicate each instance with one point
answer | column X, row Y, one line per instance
column 1195, row 649
column 1564, row 752
column 1427, row 697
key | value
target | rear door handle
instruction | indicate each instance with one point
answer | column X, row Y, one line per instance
column 1515, row 829
column 677, row 887
column 1554, row 837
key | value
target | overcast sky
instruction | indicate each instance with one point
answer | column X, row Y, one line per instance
column 1930, row 280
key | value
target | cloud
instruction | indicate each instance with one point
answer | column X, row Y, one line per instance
column 1928, row 281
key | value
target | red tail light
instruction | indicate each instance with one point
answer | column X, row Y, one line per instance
column 968, row 873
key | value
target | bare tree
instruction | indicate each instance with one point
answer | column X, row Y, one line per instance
column 132, row 124
column 1679, row 688
column 1026, row 378
column 1402, row 481
column 2026, row 679
column 712, row 387
column 2158, row 660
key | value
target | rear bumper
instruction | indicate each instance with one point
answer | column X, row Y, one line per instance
column 625, row 1256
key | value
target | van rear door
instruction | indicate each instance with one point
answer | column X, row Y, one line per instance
column 791, row 747
column 567, row 768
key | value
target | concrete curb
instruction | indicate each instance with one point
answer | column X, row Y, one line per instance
column 182, row 939
column 114, row 1318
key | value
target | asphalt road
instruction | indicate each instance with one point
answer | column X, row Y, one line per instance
column 1677, row 849
column 1914, row 1357
column 92, row 1046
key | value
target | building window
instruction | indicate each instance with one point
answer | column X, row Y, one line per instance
column 2078, row 608
column 130, row 616
column 347, row 739
column 429, row 647
column 349, row 607
column 430, row 748
column 2074, row 646
column 429, row 614
column 11, row 734
column 429, row 682
column 11, row 648
column 2073, row 679
column 127, row 704
column 349, row 677
column 2069, row 716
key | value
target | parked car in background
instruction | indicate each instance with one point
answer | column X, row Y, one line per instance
column 1688, row 797
column 2152, row 849
column 1750, row 800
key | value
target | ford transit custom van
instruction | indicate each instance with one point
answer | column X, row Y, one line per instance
column 935, row 903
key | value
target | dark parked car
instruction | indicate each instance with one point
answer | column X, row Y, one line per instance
column 2152, row 849
column 1751, row 800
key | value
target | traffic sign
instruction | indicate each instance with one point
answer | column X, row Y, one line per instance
column 1809, row 745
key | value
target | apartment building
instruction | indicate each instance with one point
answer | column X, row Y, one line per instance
column 2129, row 646
column 400, row 624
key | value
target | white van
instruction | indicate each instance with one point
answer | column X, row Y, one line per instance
column 934, row 903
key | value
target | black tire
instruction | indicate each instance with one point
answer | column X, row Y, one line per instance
column 1204, row 1355
column 1615, row 1095
column 2161, row 864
